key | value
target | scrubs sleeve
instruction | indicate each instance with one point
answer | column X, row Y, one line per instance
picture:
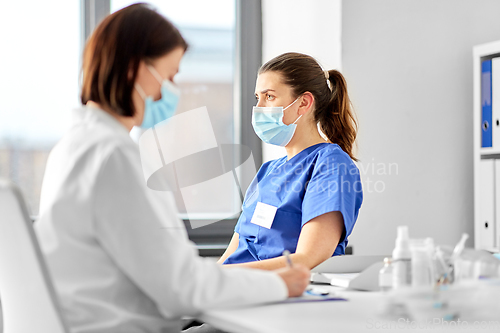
column 140, row 231
column 334, row 185
column 237, row 227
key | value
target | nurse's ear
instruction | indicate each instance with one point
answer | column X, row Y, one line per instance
column 306, row 103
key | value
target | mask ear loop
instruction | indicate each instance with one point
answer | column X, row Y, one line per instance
column 296, row 120
column 140, row 91
column 157, row 76
column 155, row 73
column 291, row 105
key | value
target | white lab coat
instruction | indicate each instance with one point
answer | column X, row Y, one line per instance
column 118, row 254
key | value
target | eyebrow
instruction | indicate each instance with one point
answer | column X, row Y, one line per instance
column 266, row 90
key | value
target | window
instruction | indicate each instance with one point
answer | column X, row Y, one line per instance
column 222, row 62
column 39, row 86
column 206, row 79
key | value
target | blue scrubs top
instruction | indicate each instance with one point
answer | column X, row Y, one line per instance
column 320, row 179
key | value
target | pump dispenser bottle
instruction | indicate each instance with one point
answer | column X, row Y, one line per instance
column 401, row 259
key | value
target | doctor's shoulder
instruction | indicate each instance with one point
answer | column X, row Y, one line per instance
column 98, row 144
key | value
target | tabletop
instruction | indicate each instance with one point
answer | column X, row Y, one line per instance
column 362, row 312
column 357, row 313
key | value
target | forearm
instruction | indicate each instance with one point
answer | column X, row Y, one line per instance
column 276, row 263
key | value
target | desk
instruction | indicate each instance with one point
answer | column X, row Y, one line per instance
column 339, row 316
column 361, row 313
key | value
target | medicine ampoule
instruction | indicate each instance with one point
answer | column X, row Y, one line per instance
column 385, row 275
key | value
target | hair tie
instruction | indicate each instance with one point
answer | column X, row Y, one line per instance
column 328, row 83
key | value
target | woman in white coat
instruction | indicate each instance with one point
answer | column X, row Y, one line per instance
column 118, row 254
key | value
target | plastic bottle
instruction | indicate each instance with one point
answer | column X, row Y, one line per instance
column 385, row 275
column 401, row 259
column 422, row 267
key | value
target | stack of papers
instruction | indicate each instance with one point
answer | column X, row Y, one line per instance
column 366, row 280
column 335, row 279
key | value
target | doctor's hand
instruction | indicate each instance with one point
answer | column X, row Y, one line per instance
column 296, row 278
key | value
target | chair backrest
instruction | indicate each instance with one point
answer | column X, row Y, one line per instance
column 28, row 299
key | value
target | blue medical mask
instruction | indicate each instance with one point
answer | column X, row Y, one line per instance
column 268, row 124
column 162, row 109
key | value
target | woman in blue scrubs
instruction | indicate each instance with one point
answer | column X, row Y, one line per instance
column 306, row 202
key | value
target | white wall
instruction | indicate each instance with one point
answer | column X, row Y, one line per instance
column 408, row 65
column 311, row 27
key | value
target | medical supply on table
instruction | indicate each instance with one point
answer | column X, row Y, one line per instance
column 443, row 269
column 422, row 264
column 474, row 301
column 459, row 247
column 448, row 284
column 401, row 259
column 475, row 265
column 460, row 263
column 457, row 253
column 385, row 275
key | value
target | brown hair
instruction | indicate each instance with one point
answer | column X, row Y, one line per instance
column 116, row 47
column 333, row 109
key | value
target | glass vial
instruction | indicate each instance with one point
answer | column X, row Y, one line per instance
column 385, row 275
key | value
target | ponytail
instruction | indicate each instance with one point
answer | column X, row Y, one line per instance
column 337, row 119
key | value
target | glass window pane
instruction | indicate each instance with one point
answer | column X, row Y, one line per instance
column 206, row 79
column 39, row 86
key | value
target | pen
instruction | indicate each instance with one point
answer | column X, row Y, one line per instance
column 286, row 253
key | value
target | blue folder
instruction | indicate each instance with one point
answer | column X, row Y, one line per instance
column 486, row 102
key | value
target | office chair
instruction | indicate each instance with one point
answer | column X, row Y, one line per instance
column 27, row 296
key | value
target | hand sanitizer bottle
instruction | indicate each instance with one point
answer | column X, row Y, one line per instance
column 401, row 259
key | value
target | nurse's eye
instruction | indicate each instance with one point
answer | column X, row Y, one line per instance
column 270, row 97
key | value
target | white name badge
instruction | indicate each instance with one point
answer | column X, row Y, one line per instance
column 264, row 215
